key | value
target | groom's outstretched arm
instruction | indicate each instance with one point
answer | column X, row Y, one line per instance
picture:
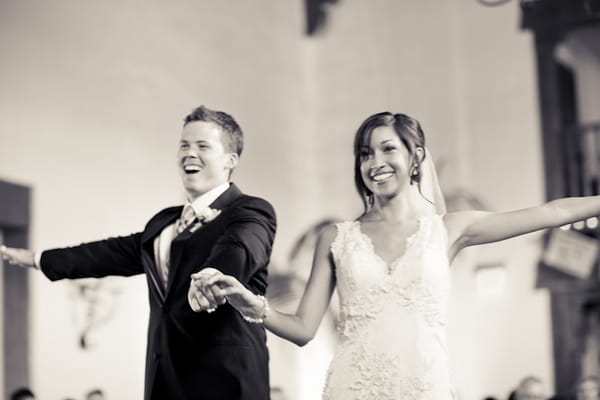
column 113, row 256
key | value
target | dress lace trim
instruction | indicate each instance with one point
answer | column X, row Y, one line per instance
column 357, row 311
column 366, row 304
column 379, row 379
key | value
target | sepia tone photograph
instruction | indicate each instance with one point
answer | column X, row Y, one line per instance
column 300, row 200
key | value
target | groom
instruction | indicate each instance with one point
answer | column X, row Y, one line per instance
column 190, row 355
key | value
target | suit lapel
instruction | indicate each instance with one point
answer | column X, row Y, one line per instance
column 160, row 222
column 148, row 257
column 222, row 202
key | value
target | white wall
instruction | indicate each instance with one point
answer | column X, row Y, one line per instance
column 91, row 104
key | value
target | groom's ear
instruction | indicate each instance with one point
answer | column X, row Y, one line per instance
column 232, row 161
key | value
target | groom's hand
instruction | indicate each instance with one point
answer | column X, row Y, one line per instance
column 202, row 297
column 20, row 257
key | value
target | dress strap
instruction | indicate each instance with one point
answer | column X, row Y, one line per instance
column 341, row 238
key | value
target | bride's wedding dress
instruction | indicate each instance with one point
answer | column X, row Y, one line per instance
column 393, row 318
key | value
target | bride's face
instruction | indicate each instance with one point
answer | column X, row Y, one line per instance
column 385, row 162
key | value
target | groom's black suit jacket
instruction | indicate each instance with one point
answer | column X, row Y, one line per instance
column 191, row 355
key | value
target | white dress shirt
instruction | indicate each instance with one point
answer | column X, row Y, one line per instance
column 162, row 243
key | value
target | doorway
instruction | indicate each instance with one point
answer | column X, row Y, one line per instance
column 14, row 289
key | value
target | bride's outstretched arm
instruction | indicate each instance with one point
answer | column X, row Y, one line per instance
column 300, row 327
column 470, row 228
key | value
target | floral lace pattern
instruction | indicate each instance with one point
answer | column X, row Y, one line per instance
column 392, row 318
column 381, row 380
column 355, row 312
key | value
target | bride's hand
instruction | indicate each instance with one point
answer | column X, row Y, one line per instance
column 247, row 303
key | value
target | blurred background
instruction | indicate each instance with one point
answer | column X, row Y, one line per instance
column 92, row 97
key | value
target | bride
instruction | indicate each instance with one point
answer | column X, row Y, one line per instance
column 391, row 269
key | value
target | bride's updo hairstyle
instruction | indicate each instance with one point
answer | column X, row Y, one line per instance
column 410, row 133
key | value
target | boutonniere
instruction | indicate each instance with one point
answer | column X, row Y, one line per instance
column 204, row 217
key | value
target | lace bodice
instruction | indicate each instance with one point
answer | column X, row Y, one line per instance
column 393, row 318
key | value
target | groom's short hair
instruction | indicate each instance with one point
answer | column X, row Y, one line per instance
column 232, row 133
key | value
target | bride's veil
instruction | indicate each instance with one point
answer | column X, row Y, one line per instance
column 430, row 187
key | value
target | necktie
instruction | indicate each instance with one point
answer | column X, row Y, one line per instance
column 188, row 215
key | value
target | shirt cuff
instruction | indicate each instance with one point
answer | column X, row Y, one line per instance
column 38, row 260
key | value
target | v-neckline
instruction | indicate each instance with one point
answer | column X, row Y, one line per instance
column 391, row 267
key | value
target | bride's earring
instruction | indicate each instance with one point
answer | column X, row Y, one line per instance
column 415, row 173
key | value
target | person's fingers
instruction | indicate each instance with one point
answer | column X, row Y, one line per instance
column 210, row 288
column 215, row 279
column 197, row 282
column 3, row 252
column 222, row 281
column 194, row 304
column 215, row 285
column 210, row 270
column 204, row 303
column 21, row 257
column 215, row 292
column 210, row 291
column 197, row 300
column 205, row 273
column 200, row 286
column 229, row 291
column 207, row 294
column 7, row 253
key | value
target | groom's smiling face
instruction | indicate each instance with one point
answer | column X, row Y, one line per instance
column 204, row 161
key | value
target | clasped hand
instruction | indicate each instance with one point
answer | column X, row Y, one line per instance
column 203, row 296
column 210, row 288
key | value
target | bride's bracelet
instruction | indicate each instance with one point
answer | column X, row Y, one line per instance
column 253, row 319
